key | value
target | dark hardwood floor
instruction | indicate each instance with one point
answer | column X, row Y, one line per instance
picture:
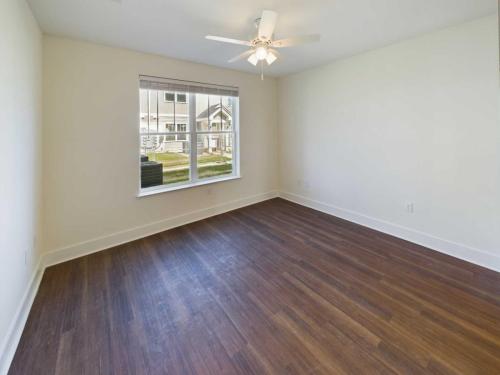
column 271, row 288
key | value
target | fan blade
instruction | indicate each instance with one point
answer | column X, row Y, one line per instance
column 228, row 40
column 267, row 24
column 295, row 41
column 241, row 56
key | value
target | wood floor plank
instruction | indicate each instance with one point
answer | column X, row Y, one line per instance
column 272, row 288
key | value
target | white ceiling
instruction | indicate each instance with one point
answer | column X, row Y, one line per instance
column 177, row 28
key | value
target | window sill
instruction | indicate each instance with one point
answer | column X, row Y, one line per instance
column 164, row 189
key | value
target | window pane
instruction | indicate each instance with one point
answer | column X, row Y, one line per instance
column 214, row 155
column 164, row 160
column 169, row 96
column 182, row 98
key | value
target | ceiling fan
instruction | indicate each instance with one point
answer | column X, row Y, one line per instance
column 262, row 47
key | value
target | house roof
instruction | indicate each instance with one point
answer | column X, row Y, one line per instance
column 214, row 110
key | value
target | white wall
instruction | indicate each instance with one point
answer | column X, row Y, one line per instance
column 412, row 122
column 91, row 144
column 20, row 162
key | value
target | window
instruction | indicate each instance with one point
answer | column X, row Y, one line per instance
column 178, row 97
column 169, row 96
column 190, row 141
column 181, row 128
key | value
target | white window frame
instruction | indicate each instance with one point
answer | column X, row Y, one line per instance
column 193, row 141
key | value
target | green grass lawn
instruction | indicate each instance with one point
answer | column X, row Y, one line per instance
column 212, row 158
column 214, row 170
column 171, row 177
column 171, row 160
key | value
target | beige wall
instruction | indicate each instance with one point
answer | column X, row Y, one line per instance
column 91, row 111
column 20, row 163
column 413, row 122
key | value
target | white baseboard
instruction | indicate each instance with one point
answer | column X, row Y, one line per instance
column 105, row 242
column 476, row 256
column 16, row 328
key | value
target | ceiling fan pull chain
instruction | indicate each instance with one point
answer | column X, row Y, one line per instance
column 262, row 70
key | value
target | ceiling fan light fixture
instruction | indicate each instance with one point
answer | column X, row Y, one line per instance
column 270, row 58
column 253, row 59
column 263, row 46
column 261, row 53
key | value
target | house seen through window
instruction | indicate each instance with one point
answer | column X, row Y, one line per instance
column 188, row 133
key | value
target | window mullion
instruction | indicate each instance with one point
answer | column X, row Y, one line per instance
column 193, row 170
